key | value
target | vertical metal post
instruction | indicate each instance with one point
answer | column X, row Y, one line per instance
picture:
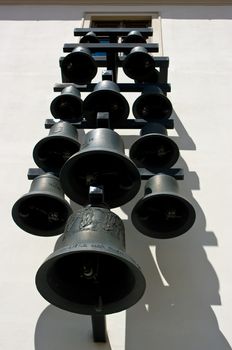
column 99, row 328
column 112, row 58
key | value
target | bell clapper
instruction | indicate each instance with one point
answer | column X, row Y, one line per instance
column 99, row 304
column 172, row 215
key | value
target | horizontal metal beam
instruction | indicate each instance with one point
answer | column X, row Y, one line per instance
column 160, row 61
column 127, row 124
column 109, row 47
column 146, row 32
column 145, row 174
column 124, row 87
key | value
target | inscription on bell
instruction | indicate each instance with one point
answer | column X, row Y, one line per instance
column 96, row 219
column 87, row 219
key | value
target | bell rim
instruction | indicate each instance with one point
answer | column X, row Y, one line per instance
column 139, row 141
column 150, row 119
column 75, row 99
column 47, row 233
column 82, row 153
column 164, row 234
column 128, row 301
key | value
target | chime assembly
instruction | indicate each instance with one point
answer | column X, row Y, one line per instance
column 89, row 271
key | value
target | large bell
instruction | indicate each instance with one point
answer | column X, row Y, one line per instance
column 163, row 212
column 140, row 65
column 106, row 97
column 90, row 37
column 43, row 211
column 68, row 105
column 89, row 272
column 52, row 152
column 134, row 36
column 154, row 149
column 79, row 66
column 152, row 105
column 101, row 162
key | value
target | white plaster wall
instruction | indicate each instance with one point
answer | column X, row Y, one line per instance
column 187, row 304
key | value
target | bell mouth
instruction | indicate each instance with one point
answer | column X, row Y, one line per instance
column 90, row 281
column 67, row 108
column 79, row 68
column 163, row 215
column 152, row 107
column 41, row 214
column 154, row 151
column 117, row 174
column 52, row 152
column 106, row 101
column 138, row 66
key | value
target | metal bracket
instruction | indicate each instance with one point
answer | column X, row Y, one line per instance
column 34, row 172
column 103, row 120
column 96, row 195
column 177, row 173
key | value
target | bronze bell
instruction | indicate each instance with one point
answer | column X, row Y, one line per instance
column 163, row 212
column 154, row 149
column 79, row 66
column 152, row 105
column 89, row 271
column 106, row 97
column 43, row 211
column 90, row 37
column 101, row 162
column 134, row 36
column 54, row 150
column 68, row 105
column 140, row 65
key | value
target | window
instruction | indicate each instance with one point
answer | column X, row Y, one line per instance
column 125, row 20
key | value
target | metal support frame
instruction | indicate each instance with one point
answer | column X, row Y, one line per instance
column 96, row 197
column 111, row 60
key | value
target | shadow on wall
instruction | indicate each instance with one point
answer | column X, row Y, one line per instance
column 175, row 311
column 62, row 330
